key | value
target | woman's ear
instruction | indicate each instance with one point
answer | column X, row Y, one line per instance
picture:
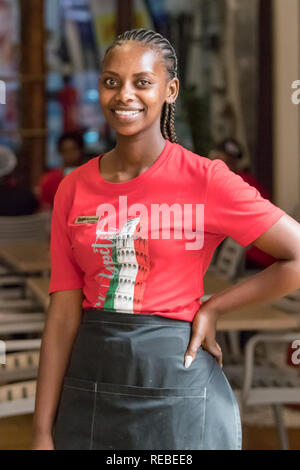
column 172, row 90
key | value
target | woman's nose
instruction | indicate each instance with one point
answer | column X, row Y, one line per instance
column 125, row 93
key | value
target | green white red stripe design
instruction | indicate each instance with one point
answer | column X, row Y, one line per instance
column 131, row 260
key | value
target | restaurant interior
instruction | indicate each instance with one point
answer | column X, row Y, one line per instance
column 239, row 69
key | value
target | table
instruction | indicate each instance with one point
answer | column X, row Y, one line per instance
column 26, row 257
column 212, row 283
column 257, row 317
column 39, row 286
column 251, row 317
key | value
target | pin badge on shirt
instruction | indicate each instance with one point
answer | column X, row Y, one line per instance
column 87, row 219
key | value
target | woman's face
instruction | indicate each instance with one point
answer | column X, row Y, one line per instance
column 133, row 87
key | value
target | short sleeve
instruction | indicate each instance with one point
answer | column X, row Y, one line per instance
column 235, row 208
column 65, row 272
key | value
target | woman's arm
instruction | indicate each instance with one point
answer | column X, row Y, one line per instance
column 62, row 322
column 282, row 241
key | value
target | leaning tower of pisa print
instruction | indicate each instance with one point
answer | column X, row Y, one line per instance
column 131, row 259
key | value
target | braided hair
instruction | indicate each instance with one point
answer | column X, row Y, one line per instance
column 160, row 43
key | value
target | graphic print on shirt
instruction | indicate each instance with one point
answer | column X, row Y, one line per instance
column 126, row 264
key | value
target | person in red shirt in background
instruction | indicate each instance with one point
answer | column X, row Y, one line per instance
column 231, row 152
column 70, row 146
column 68, row 98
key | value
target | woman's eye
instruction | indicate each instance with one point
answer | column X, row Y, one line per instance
column 144, row 82
column 109, row 81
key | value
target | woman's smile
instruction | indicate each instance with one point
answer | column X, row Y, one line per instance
column 127, row 115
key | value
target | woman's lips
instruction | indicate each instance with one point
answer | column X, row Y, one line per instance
column 128, row 115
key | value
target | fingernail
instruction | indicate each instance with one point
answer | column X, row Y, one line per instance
column 188, row 361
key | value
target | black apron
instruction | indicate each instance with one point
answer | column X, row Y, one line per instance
column 126, row 387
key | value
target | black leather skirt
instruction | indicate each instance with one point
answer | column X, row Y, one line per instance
column 126, row 387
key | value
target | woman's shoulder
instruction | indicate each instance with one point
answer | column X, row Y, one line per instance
column 193, row 161
column 76, row 177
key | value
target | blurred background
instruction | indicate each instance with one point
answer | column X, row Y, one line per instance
column 237, row 63
column 239, row 67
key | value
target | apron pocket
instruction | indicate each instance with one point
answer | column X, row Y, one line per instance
column 73, row 422
column 144, row 418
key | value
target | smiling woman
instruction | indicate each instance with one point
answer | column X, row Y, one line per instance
column 129, row 357
column 144, row 83
column 137, row 96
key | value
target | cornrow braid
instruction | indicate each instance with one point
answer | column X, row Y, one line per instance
column 160, row 43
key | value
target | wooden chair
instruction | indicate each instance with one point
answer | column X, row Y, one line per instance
column 17, row 398
column 21, row 363
column 13, row 328
column 289, row 303
column 19, row 366
column 18, row 318
column 25, row 227
column 262, row 382
column 230, row 260
column 28, row 228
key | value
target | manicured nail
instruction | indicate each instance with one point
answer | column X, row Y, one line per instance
column 188, row 361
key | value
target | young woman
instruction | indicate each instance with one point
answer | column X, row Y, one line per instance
column 129, row 358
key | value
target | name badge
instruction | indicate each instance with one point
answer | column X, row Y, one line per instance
column 87, row 219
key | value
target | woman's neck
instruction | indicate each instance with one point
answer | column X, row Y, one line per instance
column 137, row 151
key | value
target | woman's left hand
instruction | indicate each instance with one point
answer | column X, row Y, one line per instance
column 204, row 334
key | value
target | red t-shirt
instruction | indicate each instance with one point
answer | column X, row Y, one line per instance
column 148, row 242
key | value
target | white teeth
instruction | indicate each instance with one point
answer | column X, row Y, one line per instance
column 126, row 113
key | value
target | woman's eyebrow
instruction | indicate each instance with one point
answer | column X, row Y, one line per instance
column 135, row 74
column 144, row 73
column 109, row 71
